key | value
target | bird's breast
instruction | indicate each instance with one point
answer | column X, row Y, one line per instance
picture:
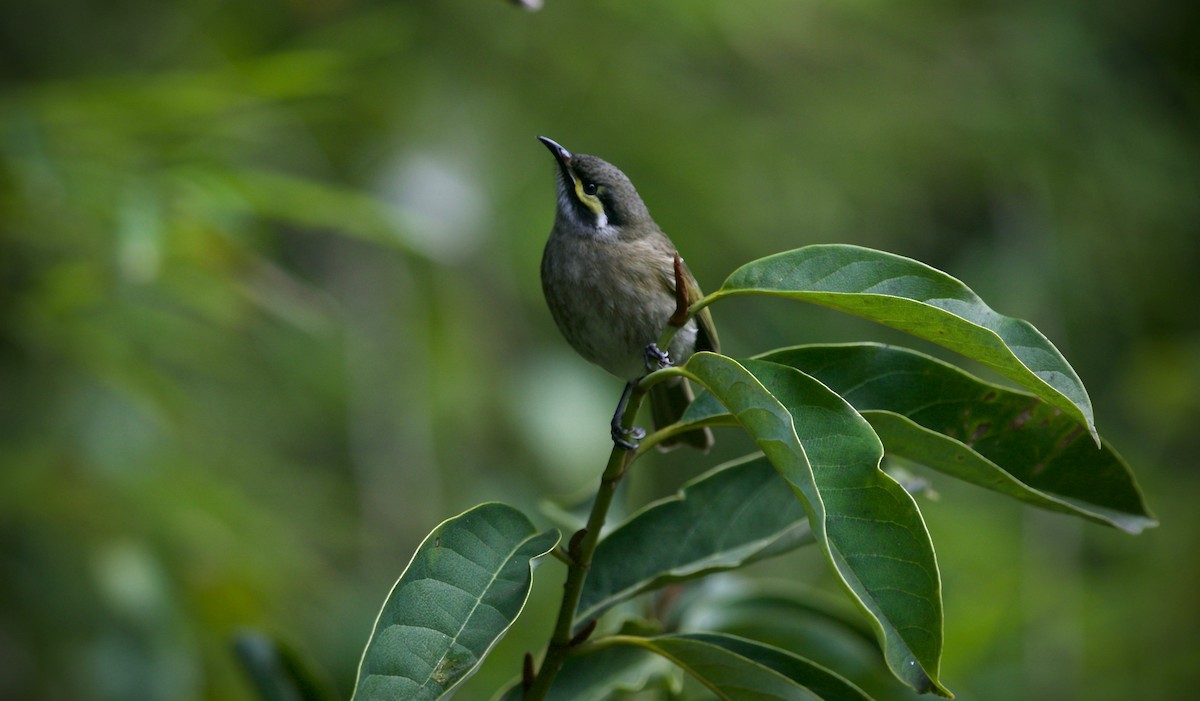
column 610, row 301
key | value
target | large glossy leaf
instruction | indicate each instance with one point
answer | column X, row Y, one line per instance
column 913, row 297
column 868, row 526
column 734, row 515
column 464, row 587
column 736, row 669
column 1007, row 441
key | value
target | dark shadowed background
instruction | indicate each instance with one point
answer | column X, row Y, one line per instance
column 270, row 309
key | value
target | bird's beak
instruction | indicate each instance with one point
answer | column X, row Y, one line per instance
column 561, row 155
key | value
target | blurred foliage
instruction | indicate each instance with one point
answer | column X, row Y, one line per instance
column 269, row 306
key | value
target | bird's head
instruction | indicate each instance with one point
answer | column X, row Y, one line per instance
column 593, row 195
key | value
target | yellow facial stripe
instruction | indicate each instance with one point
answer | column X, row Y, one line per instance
column 593, row 203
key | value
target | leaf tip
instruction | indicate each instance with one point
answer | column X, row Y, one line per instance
column 925, row 684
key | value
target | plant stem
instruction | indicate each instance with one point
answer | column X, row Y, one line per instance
column 560, row 640
column 581, row 559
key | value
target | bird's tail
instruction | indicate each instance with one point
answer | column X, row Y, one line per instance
column 667, row 401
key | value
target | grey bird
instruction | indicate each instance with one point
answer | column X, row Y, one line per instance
column 609, row 277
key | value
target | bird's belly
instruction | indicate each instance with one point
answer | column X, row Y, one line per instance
column 615, row 332
column 609, row 310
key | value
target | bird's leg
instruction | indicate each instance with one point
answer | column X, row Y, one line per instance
column 618, row 433
column 655, row 358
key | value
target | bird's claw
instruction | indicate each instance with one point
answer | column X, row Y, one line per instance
column 619, row 434
column 656, row 358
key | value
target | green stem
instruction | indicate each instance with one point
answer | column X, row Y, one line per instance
column 703, row 302
column 618, row 463
column 656, row 437
column 560, row 640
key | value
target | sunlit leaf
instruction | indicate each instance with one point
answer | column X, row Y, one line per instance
column 461, row 591
column 868, row 526
column 920, row 300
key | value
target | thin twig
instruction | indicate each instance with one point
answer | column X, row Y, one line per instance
column 583, row 544
column 560, row 641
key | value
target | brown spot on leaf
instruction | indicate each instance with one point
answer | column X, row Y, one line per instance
column 1069, row 438
column 1024, row 416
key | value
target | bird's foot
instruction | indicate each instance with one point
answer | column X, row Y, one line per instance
column 655, row 358
column 618, row 433
column 619, row 436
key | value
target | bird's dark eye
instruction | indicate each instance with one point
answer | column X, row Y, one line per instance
column 590, row 188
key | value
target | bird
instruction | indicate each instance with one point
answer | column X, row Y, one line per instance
column 609, row 275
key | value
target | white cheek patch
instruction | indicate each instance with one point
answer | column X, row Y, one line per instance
column 566, row 204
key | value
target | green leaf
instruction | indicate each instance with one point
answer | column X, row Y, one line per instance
column 915, row 298
column 300, row 201
column 868, row 526
column 735, row 514
column 935, row 414
column 815, row 624
column 596, row 675
column 722, row 603
column 736, row 669
column 278, row 671
column 466, row 584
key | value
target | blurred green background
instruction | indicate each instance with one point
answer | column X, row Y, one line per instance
column 270, row 310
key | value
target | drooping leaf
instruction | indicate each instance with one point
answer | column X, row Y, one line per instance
column 736, row 669
column 915, row 298
column 817, row 625
column 867, row 525
column 735, row 514
column 597, row 675
column 461, row 591
column 712, row 605
column 935, row 414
